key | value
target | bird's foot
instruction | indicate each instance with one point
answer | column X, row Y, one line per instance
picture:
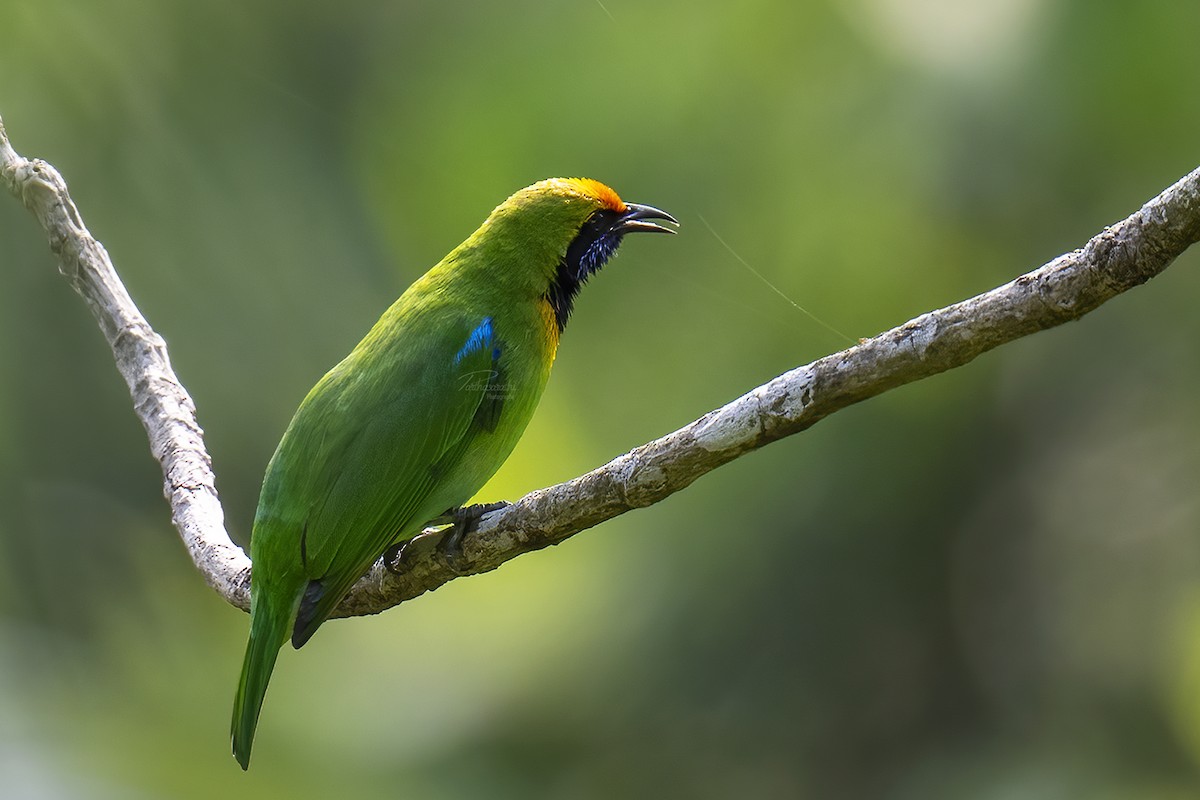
column 393, row 557
column 400, row 556
column 465, row 521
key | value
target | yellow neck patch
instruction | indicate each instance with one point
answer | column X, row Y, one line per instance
column 549, row 329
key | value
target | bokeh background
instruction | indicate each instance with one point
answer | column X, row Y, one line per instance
column 986, row 585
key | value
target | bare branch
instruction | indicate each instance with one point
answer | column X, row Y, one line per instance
column 161, row 402
column 1120, row 257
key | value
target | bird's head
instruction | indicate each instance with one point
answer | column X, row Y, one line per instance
column 568, row 228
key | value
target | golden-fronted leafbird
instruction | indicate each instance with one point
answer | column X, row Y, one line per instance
column 421, row 413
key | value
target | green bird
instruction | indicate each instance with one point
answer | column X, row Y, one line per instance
column 421, row 413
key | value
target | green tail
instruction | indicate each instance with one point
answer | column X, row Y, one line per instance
column 267, row 634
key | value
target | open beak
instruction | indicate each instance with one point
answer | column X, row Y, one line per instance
column 637, row 218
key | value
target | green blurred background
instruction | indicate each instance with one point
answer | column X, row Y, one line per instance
column 984, row 586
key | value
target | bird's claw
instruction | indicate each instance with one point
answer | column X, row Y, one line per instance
column 465, row 521
column 393, row 557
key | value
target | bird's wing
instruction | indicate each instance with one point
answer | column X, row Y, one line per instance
column 380, row 438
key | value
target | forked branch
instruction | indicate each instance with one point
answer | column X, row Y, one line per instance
column 1120, row 257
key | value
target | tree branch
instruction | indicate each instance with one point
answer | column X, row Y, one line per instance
column 161, row 402
column 1120, row 257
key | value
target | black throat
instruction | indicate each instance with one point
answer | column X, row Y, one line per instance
column 595, row 243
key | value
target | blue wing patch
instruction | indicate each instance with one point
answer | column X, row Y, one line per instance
column 489, row 381
column 481, row 338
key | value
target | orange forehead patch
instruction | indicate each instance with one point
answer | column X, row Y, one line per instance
column 597, row 190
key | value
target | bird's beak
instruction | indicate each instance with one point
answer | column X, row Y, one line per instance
column 637, row 218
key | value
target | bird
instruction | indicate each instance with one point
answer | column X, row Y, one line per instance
column 421, row 413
